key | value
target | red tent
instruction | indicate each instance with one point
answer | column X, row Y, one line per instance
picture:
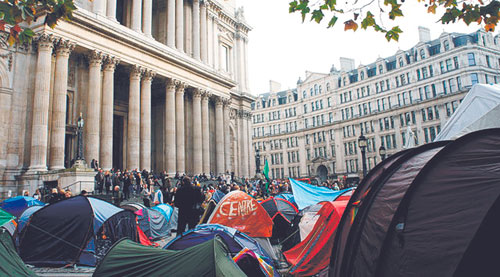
column 313, row 254
column 243, row 213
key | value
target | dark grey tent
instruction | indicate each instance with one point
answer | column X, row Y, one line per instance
column 432, row 212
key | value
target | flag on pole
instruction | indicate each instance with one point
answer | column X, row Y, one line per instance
column 266, row 174
column 266, row 170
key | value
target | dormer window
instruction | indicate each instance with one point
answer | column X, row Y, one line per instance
column 401, row 62
column 422, row 54
column 446, row 45
column 380, row 69
column 362, row 75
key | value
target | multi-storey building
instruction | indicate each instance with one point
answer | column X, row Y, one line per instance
column 161, row 85
column 313, row 130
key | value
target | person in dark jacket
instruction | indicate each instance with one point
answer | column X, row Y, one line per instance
column 188, row 199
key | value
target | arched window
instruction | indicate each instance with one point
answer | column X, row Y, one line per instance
column 446, row 45
column 362, row 75
column 304, row 94
column 401, row 62
column 320, row 89
column 422, row 53
column 380, row 69
column 327, row 86
column 315, row 89
column 344, row 81
column 312, row 92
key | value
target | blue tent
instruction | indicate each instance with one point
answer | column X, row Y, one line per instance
column 234, row 239
column 16, row 205
column 153, row 223
column 25, row 216
column 217, row 196
column 76, row 230
column 306, row 194
column 288, row 196
column 165, row 209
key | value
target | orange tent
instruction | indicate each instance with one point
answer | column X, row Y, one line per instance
column 240, row 211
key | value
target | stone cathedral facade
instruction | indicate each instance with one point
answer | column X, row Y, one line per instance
column 161, row 85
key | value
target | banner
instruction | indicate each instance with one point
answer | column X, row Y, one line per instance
column 306, row 194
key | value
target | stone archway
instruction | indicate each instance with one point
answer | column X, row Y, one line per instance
column 322, row 173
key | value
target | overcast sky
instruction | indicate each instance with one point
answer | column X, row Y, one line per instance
column 281, row 48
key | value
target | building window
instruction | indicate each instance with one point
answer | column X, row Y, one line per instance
column 380, row 69
column 401, row 62
column 474, row 79
column 362, row 75
column 422, row 53
column 455, row 61
column 488, row 61
column 472, row 60
column 448, row 65
column 225, row 58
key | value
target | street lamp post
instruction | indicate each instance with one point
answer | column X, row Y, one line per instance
column 362, row 141
column 382, row 152
column 80, row 162
column 257, row 160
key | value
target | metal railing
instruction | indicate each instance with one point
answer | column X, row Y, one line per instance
column 74, row 188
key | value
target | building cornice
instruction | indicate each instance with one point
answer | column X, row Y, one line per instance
column 115, row 31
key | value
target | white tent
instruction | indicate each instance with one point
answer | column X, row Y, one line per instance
column 480, row 109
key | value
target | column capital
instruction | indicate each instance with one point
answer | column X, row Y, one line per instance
column 136, row 71
column 226, row 101
column 64, row 46
column 219, row 101
column 45, row 41
column 197, row 93
column 205, row 95
column 180, row 86
column 95, row 58
column 170, row 84
column 110, row 62
column 148, row 75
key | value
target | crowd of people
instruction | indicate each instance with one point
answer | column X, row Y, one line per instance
column 189, row 194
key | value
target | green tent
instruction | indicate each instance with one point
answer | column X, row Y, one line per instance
column 10, row 263
column 127, row 258
column 7, row 222
column 5, row 217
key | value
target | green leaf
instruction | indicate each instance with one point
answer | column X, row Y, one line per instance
column 317, row 15
column 332, row 21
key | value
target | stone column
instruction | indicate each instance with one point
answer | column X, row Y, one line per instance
column 197, row 133
column 205, row 129
column 134, row 114
column 196, row 29
column 93, row 107
column 179, row 126
column 106, row 153
column 216, row 47
column 111, row 10
column 171, row 23
column 244, row 163
column 170, row 131
column 41, row 104
column 136, row 15
column 227, row 137
column 99, row 6
column 203, row 32
column 64, row 48
column 179, row 25
column 146, row 119
column 147, row 17
column 219, row 138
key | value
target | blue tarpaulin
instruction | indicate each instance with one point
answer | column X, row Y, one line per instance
column 16, row 205
column 306, row 194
